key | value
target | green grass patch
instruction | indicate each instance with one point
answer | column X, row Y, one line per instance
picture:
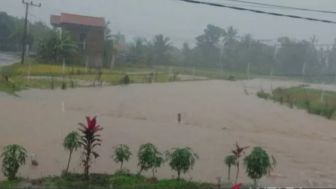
column 100, row 181
column 41, row 75
column 210, row 73
column 305, row 98
column 264, row 95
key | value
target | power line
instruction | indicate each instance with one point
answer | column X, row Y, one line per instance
column 259, row 11
column 283, row 7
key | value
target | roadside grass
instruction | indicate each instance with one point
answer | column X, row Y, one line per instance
column 100, row 181
column 9, row 184
column 211, row 73
column 305, row 98
column 50, row 76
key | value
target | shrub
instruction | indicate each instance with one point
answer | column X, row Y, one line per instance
column 263, row 94
column 89, row 140
column 323, row 110
column 149, row 158
column 121, row 153
column 13, row 156
column 71, row 143
column 328, row 111
column 182, row 160
column 64, row 85
column 125, row 80
column 257, row 164
column 307, row 105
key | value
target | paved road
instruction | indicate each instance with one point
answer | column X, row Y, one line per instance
column 7, row 58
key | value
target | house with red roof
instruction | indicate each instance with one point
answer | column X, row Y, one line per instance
column 88, row 31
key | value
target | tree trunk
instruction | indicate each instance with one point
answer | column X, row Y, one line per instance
column 229, row 172
column 153, row 172
column 140, row 171
column 178, row 175
column 69, row 159
column 255, row 183
column 112, row 61
column 87, row 163
column 63, row 66
column 121, row 165
column 237, row 173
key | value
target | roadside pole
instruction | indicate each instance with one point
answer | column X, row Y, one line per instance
column 24, row 38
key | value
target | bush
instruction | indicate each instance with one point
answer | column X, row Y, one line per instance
column 328, row 111
column 121, row 153
column 125, row 80
column 149, row 158
column 64, row 85
column 257, row 164
column 264, row 95
column 182, row 160
column 13, row 156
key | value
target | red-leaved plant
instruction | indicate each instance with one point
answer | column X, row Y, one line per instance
column 238, row 152
column 89, row 140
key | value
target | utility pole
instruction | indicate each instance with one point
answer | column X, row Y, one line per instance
column 27, row 4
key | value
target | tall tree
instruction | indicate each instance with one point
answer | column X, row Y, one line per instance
column 159, row 50
column 207, row 45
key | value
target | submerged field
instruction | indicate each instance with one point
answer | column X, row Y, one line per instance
column 215, row 115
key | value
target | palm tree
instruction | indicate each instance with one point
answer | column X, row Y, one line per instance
column 230, row 160
column 71, row 143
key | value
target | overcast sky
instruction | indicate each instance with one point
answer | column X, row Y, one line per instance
column 182, row 21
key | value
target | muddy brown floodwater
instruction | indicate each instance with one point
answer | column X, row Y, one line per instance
column 215, row 114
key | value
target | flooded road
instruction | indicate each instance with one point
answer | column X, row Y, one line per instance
column 215, row 115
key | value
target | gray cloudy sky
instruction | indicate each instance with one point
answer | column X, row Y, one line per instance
column 182, row 21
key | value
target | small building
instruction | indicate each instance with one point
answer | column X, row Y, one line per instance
column 87, row 31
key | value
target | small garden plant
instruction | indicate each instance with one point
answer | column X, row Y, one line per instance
column 237, row 153
column 71, row 143
column 89, row 140
column 230, row 161
column 257, row 164
column 182, row 160
column 13, row 156
column 121, row 154
column 149, row 157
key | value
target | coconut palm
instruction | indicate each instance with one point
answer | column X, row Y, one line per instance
column 71, row 143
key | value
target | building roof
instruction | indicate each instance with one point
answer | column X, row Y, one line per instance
column 66, row 18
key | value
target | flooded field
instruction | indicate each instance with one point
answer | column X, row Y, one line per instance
column 215, row 115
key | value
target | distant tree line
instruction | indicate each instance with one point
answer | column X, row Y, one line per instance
column 11, row 33
column 224, row 49
column 216, row 48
